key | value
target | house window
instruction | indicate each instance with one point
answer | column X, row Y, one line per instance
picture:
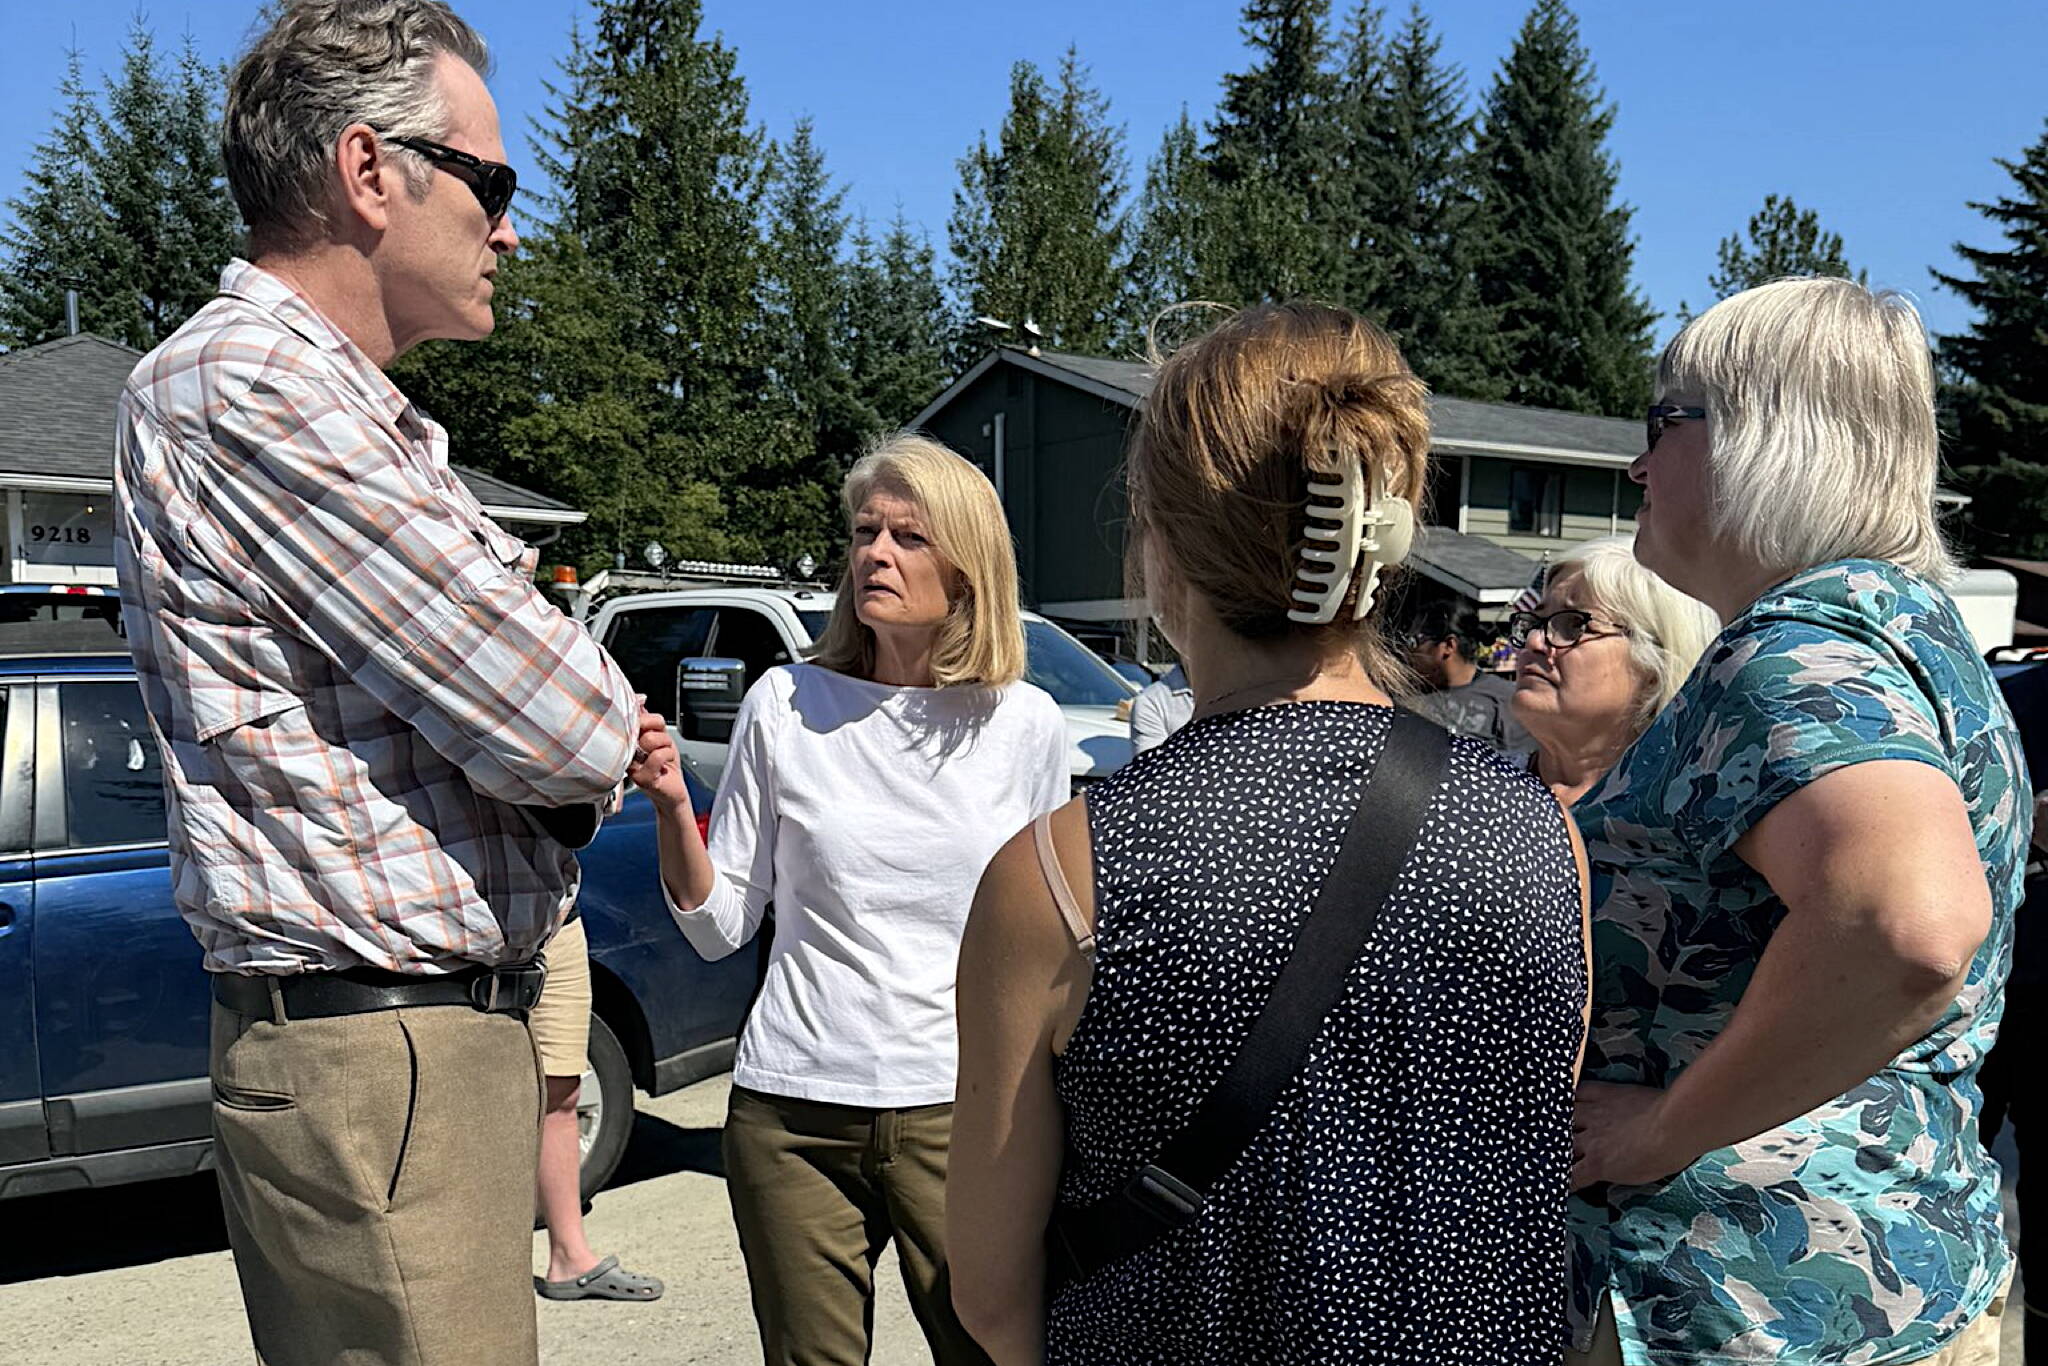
column 1536, row 500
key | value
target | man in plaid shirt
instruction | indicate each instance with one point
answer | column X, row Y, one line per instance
column 370, row 718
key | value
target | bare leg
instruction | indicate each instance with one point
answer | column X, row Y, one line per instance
column 560, row 1183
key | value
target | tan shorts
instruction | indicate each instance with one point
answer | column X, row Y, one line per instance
column 561, row 1018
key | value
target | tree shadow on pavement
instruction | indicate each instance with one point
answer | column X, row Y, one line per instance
column 75, row 1232
column 659, row 1148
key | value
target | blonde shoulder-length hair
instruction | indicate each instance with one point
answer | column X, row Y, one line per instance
column 1820, row 422
column 981, row 640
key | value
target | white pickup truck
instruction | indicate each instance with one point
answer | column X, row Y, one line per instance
column 651, row 635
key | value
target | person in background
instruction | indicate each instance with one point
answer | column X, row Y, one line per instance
column 865, row 793
column 370, row 718
column 1161, row 708
column 1404, row 1202
column 1811, row 859
column 1444, row 642
column 561, row 1035
column 2011, row 1076
column 1605, row 649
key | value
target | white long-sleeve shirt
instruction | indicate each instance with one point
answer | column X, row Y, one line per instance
column 866, row 813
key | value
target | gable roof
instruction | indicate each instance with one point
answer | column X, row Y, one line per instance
column 57, row 405
column 1458, row 426
column 1491, row 575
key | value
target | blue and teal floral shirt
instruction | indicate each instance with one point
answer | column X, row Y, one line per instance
column 1869, row 1229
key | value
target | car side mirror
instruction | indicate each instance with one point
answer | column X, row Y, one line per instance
column 709, row 690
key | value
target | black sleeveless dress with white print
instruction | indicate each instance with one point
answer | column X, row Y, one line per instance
column 1406, row 1201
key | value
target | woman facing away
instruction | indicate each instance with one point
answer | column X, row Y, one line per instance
column 1605, row 649
column 1404, row 1200
column 864, row 793
column 1810, row 862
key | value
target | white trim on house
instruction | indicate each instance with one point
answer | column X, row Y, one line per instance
column 54, row 483
column 46, row 483
column 1555, row 455
column 537, row 516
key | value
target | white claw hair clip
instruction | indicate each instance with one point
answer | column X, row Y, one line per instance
column 1382, row 531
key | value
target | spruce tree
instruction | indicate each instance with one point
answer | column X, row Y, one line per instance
column 60, row 234
column 1553, row 251
column 1171, row 236
column 1038, row 227
column 160, row 172
column 1273, row 220
column 807, row 286
column 1997, row 400
column 1413, row 208
column 1782, row 239
column 203, row 227
column 560, row 400
column 896, row 330
column 659, row 179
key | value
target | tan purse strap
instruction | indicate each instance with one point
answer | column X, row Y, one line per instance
column 1056, row 882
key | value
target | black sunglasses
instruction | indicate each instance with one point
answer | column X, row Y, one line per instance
column 1662, row 415
column 492, row 182
column 1562, row 628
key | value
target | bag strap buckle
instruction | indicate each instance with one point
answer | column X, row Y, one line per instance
column 1163, row 1196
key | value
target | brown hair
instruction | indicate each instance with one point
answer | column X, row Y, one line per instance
column 1236, row 422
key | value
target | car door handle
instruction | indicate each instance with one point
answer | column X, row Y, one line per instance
column 6, row 915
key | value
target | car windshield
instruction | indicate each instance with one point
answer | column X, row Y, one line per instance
column 1069, row 670
column 814, row 623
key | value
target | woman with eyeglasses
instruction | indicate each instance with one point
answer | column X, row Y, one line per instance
column 1805, row 874
column 1605, row 649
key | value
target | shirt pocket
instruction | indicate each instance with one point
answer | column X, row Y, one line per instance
column 219, row 709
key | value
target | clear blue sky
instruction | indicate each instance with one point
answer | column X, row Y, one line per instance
column 1884, row 115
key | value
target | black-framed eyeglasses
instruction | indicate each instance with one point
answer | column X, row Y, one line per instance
column 1662, row 415
column 492, row 182
column 1562, row 628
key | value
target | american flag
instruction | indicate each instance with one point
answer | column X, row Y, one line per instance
column 1526, row 600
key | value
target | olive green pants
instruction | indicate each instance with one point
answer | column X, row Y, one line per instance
column 818, row 1190
column 377, row 1174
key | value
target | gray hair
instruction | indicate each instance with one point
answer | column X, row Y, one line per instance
column 1667, row 631
column 1820, row 418
column 321, row 66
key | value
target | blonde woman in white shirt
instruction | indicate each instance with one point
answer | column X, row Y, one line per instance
column 864, row 794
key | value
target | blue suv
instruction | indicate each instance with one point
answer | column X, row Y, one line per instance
column 103, row 1005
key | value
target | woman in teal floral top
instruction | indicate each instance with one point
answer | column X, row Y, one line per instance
column 1805, row 873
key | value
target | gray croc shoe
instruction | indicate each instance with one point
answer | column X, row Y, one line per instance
column 605, row 1281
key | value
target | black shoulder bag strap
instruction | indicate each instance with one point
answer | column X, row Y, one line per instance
column 1169, row 1191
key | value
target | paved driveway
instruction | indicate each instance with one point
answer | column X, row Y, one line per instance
column 140, row 1275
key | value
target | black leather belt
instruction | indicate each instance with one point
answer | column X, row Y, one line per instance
column 510, row 989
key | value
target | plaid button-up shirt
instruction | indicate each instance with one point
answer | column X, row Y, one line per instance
column 355, row 684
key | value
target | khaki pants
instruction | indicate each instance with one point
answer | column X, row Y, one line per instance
column 377, row 1175
column 1976, row 1345
column 817, row 1192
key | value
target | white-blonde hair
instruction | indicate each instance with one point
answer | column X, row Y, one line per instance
column 1820, row 418
column 981, row 641
column 1668, row 631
